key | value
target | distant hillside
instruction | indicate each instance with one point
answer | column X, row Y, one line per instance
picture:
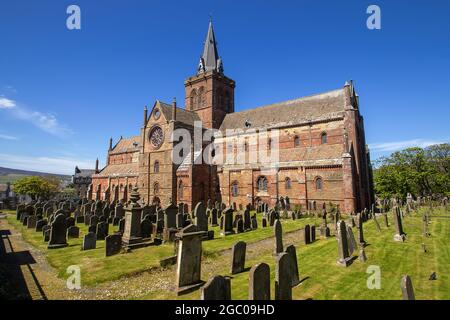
column 12, row 175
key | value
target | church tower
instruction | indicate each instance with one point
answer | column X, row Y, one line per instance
column 210, row 93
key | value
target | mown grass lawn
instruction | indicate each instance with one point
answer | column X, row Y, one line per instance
column 324, row 280
column 101, row 269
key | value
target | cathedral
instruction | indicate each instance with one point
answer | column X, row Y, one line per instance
column 318, row 140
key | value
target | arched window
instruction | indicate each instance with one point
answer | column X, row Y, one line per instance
column 319, row 183
column 180, row 190
column 200, row 97
column 193, row 98
column 287, row 183
column 234, row 189
column 156, row 188
column 156, row 167
column 262, row 183
column 324, row 138
column 296, row 141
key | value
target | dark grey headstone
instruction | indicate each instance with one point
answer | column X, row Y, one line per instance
column 217, row 288
column 73, row 232
column 238, row 257
column 102, row 230
column 295, row 277
column 58, row 233
column 259, row 282
column 113, row 244
column 407, row 288
column 278, row 232
column 89, row 241
column 283, row 281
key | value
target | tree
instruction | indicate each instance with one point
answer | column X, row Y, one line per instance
column 36, row 187
column 415, row 170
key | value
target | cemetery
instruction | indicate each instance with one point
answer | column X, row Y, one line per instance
column 283, row 255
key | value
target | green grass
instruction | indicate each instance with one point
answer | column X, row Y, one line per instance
column 325, row 280
column 101, row 269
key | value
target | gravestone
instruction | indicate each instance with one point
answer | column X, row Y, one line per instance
column 214, row 217
column 264, row 222
column 259, row 282
column 254, row 223
column 407, row 288
column 360, row 227
column 238, row 257
column 102, row 230
column 113, row 244
column 122, row 225
column 313, row 234
column 31, row 222
column 58, row 233
column 362, row 255
column 278, row 232
column 352, row 245
column 307, row 234
column 399, row 235
column 188, row 277
column 344, row 255
column 247, row 220
column 377, row 224
column 46, row 232
column 40, row 224
column 146, row 227
column 131, row 234
column 89, row 241
column 283, row 280
column 240, row 225
column 227, row 222
column 70, row 222
column 295, row 277
column 386, row 220
column 217, row 288
column 201, row 220
column 73, row 232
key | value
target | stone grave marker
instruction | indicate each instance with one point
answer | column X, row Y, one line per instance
column 295, row 277
column 89, row 241
column 113, row 244
column 217, row 288
column 73, row 232
column 238, row 257
column 259, row 282
column 283, row 281
column 278, row 233
column 58, row 233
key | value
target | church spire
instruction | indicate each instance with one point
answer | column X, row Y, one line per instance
column 210, row 59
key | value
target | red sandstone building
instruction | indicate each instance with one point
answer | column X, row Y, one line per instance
column 322, row 156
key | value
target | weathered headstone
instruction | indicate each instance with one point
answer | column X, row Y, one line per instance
column 113, row 244
column 399, row 235
column 344, row 255
column 295, row 277
column 89, row 241
column 360, row 227
column 217, row 288
column 307, row 234
column 31, row 222
column 73, row 232
column 58, row 233
column 238, row 257
column 132, row 227
column 188, row 277
column 228, row 222
column 283, row 281
column 259, row 282
column 407, row 288
column 102, row 230
column 201, row 220
column 40, row 224
column 278, row 232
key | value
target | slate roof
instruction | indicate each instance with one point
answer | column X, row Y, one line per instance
column 126, row 169
column 183, row 115
column 127, row 145
column 293, row 112
column 84, row 172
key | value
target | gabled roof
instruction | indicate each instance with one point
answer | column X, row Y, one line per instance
column 115, row 170
column 84, row 172
column 127, row 145
column 293, row 112
column 183, row 115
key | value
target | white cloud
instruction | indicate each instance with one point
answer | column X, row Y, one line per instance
column 6, row 137
column 59, row 165
column 44, row 121
column 7, row 103
column 399, row 145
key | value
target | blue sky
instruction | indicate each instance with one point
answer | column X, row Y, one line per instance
column 63, row 92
